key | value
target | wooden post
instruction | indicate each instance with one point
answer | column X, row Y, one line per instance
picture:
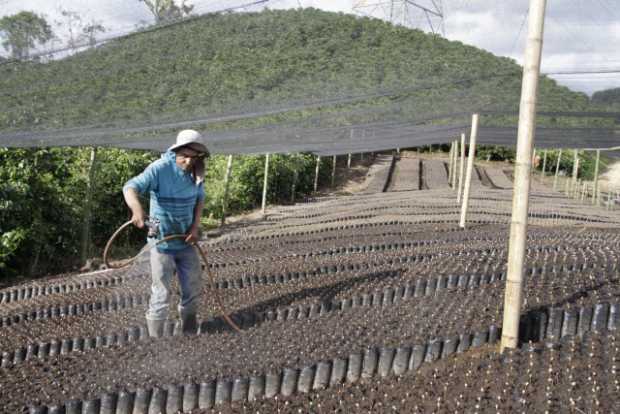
column 461, row 169
column 557, row 170
column 596, row 171
column 450, row 155
column 583, row 190
column 349, row 162
column 544, row 167
column 520, row 202
column 293, row 185
column 316, row 173
column 454, row 163
column 334, row 159
column 470, row 168
column 575, row 171
column 534, row 161
column 88, row 206
column 226, row 181
column 264, row 206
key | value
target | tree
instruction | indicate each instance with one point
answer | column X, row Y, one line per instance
column 90, row 31
column 22, row 31
column 167, row 10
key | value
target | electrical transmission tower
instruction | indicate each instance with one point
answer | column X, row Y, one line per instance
column 420, row 14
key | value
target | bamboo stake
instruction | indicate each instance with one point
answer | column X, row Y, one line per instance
column 575, row 171
column 520, row 201
column 455, row 163
column 226, row 181
column 450, row 155
column 544, row 167
column 461, row 169
column 596, row 171
column 557, row 170
column 349, row 162
column 293, row 185
column 334, row 170
column 88, row 209
column 266, row 179
column 470, row 168
column 316, row 173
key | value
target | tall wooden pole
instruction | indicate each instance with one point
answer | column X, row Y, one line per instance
column 334, row 159
column 596, row 170
column 461, row 169
column 520, row 201
column 226, row 182
column 557, row 170
column 88, row 207
column 454, row 163
column 293, row 185
column 450, row 157
column 266, row 180
column 470, row 168
column 575, row 171
column 316, row 173
column 544, row 167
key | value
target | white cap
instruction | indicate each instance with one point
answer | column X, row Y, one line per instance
column 189, row 137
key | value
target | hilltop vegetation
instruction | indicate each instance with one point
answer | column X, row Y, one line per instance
column 214, row 64
column 608, row 97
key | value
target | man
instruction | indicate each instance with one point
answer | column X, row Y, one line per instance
column 175, row 185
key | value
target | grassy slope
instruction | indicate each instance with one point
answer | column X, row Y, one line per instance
column 215, row 63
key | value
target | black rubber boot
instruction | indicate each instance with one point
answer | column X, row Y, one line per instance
column 189, row 324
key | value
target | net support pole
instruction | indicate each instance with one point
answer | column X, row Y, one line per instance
column 544, row 167
column 293, row 185
column 450, row 155
column 316, row 173
column 557, row 170
column 226, row 182
column 520, row 202
column 266, row 180
column 461, row 169
column 575, row 171
column 334, row 159
column 470, row 168
column 596, row 171
column 88, row 209
column 454, row 163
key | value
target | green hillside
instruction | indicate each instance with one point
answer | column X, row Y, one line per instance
column 608, row 97
column 216, row 63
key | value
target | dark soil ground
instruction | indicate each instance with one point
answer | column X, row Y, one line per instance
column 387, row 271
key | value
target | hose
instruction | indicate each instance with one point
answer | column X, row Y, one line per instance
column 202, row 254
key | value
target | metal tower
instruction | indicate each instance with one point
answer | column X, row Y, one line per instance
column 422, row 14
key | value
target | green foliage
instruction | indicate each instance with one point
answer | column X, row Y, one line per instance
column 495, row 153
column 22, row 31
column 42, row 193
column 610, row 97
column 243, row 61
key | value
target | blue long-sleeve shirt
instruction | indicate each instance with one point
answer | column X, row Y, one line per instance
column 173, row 197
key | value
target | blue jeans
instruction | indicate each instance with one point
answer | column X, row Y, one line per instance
column 188, row 267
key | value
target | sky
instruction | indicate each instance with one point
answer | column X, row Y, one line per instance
column 580, row 35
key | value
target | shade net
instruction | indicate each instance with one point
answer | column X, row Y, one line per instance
column 251, row 85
